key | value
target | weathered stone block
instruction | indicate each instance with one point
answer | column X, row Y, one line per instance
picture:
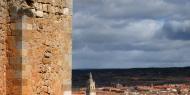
column 22, row 45
column 39, row 14
column 33, row 10
column 66, row 11
column 45, row 7
column 40, row 6
column 46, row 15
column 27, row 36
column 56, row 9
column 23, row 26
column 15, row 60
column 49, row 8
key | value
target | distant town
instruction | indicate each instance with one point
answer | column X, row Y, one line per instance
column 153, row 88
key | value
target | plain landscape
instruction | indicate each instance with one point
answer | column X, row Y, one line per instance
column 132, row 77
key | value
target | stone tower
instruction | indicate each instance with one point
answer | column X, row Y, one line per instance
column 91, row 88
column 35, row 47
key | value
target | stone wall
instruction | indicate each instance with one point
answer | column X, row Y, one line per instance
column 3, row 35
column 35, row 47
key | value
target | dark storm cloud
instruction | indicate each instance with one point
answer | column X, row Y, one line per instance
column 120, row 9
column 177, row 30
column 131, row 33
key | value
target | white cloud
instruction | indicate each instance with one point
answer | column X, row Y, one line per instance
column 143, row 30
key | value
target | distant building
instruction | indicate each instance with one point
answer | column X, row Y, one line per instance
column 91, row 88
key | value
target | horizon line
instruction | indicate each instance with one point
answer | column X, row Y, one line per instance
column 129, row 68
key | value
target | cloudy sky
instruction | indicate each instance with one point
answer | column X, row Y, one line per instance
column 131, row 33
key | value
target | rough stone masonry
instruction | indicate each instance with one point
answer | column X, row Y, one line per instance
column 35, row 47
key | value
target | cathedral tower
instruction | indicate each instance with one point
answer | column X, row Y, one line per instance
column 91, row 89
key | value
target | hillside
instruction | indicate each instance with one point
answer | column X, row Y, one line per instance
column 133, row 77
